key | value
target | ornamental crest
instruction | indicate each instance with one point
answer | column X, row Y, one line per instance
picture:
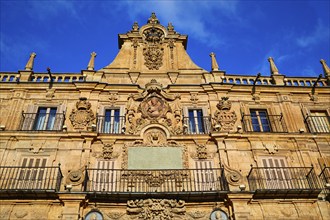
column 155, row 106
column 224, row 119
column 165, row 209
column 83, row 116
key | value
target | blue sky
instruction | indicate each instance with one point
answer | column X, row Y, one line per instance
column 243, row 34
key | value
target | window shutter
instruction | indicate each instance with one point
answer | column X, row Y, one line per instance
column 29, row 117
column 60, row 117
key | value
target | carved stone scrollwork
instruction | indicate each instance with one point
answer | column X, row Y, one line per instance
column 224, row 119
column 107, row 153
column 83, row 116
column 153, row 52
column 153, row 56
column 76, row 177
column 234, row 177
column 154, row 106
column 164, row 209
column 197, row 214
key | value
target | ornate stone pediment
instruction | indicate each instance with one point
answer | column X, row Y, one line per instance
column 224, row 119
column 83, row 116
column 154, row 106
column 165, row 209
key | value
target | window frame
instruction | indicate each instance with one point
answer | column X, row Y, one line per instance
column 102, row 116
column 196, row 129
column 29, row 122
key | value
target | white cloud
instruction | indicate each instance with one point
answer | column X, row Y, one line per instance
column 198, row 18
column 320, row 34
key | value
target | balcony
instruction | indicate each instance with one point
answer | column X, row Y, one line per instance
column 197, row 125
column 284, row 182
column 29, row 181
column 318, row 124
column 266, row 123
column 42, row 122
column 110, row 124
column 325, row 180
column 124, row 184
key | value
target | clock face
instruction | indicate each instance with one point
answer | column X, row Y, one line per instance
column 94, row 215
column 218, row 214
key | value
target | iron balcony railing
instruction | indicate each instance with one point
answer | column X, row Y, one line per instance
column 325, row 175
column 151, row 181
column 13, row 178
column 270, row 123
column 318, row 124
column 110, row 124
column 295, row 179
column 42, row 122
column 197, row 125
column 325, row 179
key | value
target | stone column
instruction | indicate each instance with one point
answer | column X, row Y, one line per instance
column 240, row 205
column 71, row 205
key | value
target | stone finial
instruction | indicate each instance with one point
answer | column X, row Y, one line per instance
column 170, row 27
column 273, row 68
column 29, row 64
column 326, row 69
column 214, row 63
column 135, row 26
column 153, row 19
column 91, row 61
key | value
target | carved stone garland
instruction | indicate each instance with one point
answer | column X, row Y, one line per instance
column 152, row 106
column 224, row 119
column 165, row 209
column 83, row 116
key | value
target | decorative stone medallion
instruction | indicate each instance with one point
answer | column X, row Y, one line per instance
column 153, row 56
column 153, row 107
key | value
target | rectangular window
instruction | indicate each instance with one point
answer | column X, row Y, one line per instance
column 45, row 119
column 318, row 122
column 205, row 177
column 31, row 175
column 196, row 121
column 276, row 173
column 112, row 121
column 104, row 176
column 260, row 120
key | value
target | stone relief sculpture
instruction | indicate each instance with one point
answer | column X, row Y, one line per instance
column 153, row 51
column 233, row 177
column 164, row 209
column 224, row 119
column 76, row 177
column 154, row 106
column 83, row 116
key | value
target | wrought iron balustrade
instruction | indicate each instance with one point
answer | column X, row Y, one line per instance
column 197, row 125
column 110, row 124
column 159, row 181
column 291, row 180
column 325, row 180
column 318, row 124
column 42, row 122
column 271, row 123
column 13, row 178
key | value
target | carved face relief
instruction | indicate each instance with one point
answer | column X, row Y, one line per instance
column 153, row 108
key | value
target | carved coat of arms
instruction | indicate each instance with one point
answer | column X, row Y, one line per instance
column 83, row 116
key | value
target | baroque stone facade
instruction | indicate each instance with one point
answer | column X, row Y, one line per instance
column 154, row 136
